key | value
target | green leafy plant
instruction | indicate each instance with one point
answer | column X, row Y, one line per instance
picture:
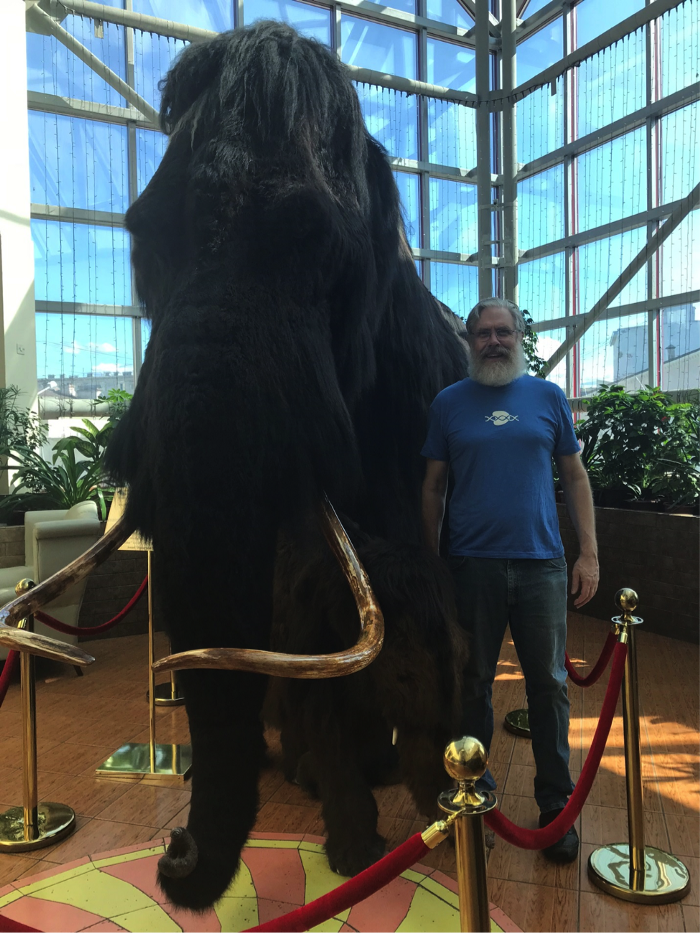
column 535, row 362
column 641, row 445
column 76, row 471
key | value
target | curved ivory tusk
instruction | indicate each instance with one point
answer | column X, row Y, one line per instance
column 30, row 643
column 317, row 666
column 44, row 592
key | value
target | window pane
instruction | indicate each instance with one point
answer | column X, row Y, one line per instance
column 455, row 285
column 449, row 11
column 216, row 15
column 451, row 65
column 603, row 261
column 53, row 69
column 541, row 208
column 541, row 50
column 680, row 47
column 392, row 118
column 612, row 83
column 146, row 327
column 595, row 16
column 533, row 6
column 451, row 134
column 680, row 347
column 548, row 342
column 540, row 122
column 82, row 263
column 153, row 56
column 83, row 355
column 150, row 148
column 680, row 152
column 680, row 257
column 409, row 191
column 541, row 287
column 382, row 48
column 615, row 351
column 612, row 180
column 312, row 21
column 77, row 163
column 453, row 216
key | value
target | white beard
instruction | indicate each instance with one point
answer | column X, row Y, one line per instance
column 498, row 372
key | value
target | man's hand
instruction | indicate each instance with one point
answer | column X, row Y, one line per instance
column 585, row 576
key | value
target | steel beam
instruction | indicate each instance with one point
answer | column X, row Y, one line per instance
column 539, row 19
column 604, row 230
column 637, row 307
column 437, row 255
column 77, row 307
column 689, row 203
column 509, row 160
column 162, row 27
column 411, row 86
column 483, row 151
column 610, row 36
column 76, row 215
column 494, row 26
column 86, row 109
column 92, row 61
column 688, row 95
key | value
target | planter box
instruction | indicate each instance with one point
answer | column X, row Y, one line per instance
column 655, row 554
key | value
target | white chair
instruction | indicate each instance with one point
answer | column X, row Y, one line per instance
column 52, row 539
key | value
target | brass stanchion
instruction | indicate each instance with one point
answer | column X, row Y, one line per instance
column 34, row 824
column 466, row 761
column 634, row 871
column 157, row 764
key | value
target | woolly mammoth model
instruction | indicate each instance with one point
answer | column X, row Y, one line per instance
column 294, row 351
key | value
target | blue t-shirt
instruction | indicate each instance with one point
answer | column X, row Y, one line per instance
column 499, row 441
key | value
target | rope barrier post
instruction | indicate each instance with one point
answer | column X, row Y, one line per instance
column 517, row 721
column 33, row 825
column 633, row 871
column 466, row 761
column 140, row 761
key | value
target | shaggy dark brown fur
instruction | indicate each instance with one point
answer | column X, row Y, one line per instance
column 294, row 350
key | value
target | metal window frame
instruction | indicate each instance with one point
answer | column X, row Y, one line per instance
column 486, row 36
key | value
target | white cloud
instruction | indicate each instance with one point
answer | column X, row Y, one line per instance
column 104, row 348
column 110, row 368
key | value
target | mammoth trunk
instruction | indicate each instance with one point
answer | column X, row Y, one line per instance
column 227, row 745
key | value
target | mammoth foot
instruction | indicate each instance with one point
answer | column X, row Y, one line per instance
column 352, row 857
column 190, row 879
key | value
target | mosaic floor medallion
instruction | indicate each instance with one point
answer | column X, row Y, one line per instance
column 117, row 891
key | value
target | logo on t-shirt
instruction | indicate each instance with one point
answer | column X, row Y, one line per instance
column 501, row 417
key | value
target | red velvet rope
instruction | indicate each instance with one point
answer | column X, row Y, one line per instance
column 599, row 667
column 548, row 835
column 95, row 629
column 352, row 892
column 7, row 672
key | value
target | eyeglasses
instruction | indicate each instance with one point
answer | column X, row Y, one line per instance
column 502, row 333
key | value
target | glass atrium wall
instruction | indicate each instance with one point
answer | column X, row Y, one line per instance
column 604, row 153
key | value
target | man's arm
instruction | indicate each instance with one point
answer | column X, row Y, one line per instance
column 579, row 503
column 433, row 502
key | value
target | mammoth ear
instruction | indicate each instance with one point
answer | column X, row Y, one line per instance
column 192, row 74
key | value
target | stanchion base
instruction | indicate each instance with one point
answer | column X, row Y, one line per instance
column 164, row 695
column 517, row 721
column 666, row 879
column 133, row 761
column 56, row 820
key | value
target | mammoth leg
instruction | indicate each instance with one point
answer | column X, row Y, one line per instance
column 227, row 752
column 349, row 808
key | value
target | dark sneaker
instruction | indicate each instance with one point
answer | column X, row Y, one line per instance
column 565, row 849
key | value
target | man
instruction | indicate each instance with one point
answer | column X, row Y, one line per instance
column 498, row 431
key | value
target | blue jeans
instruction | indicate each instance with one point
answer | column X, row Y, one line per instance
column 530, row 595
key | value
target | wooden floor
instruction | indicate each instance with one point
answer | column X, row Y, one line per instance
column 83, row 720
